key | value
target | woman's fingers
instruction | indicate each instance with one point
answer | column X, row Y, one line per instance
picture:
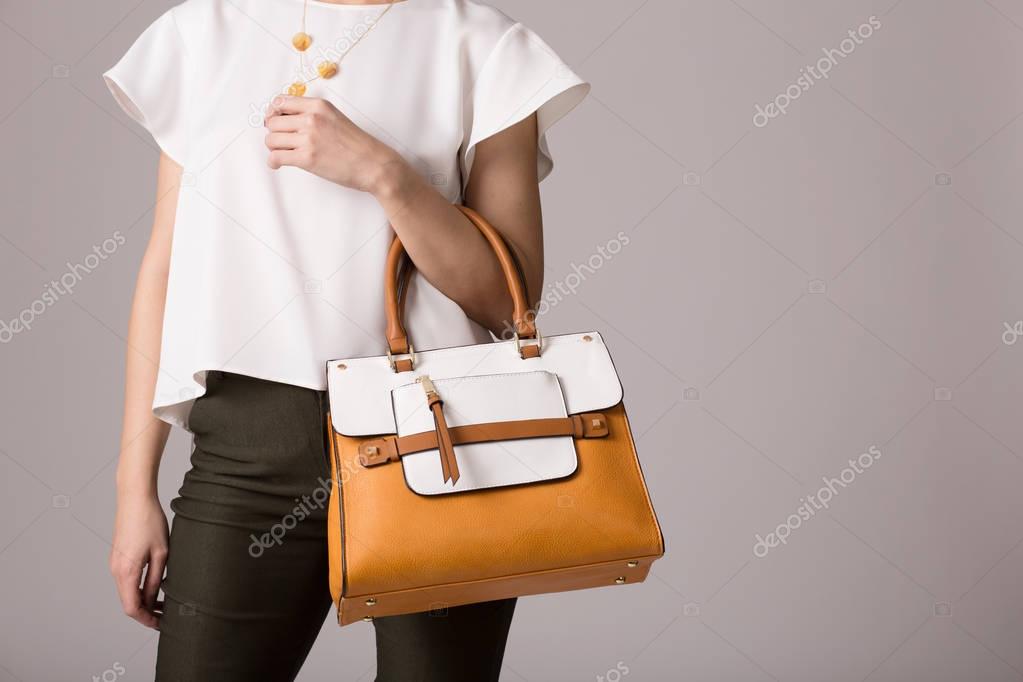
column 128, row 577
column 283, row 141
column 286, row 104
column 285, row 113
column 287, row 157
column 286, row 123
column 302, row 111
column 154, row 576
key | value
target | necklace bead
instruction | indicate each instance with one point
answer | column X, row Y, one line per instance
column 327, row 69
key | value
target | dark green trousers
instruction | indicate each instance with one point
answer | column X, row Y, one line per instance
column 246, row 588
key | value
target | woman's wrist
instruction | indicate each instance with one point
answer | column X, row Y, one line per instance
column 138, row 492
column 395, row 182
column 133, row 483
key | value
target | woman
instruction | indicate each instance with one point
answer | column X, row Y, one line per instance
column 280, row 209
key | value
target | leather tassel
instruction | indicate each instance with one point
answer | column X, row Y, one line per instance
column 448, row 462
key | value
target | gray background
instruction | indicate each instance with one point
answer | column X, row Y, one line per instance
column 790, row 296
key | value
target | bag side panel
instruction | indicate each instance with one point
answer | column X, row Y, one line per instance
column 334, row 548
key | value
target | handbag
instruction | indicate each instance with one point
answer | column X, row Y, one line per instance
column 480, row 472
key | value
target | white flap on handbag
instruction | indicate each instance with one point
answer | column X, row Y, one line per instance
column 360, row 388
column 484, row 399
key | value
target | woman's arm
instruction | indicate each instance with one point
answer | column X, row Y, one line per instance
column 140, row 527
column 503, row 187
column 447, row 249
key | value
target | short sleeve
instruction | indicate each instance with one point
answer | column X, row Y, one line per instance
column 150, row 84
column 522, row 75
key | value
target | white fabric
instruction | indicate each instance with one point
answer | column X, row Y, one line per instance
column 274, row 272
column 360, row 393
column 482, row 399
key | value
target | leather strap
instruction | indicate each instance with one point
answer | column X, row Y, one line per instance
column 393, row 448
column 397, row 337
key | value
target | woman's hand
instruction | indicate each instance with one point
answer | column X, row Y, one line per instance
column 311, row 134
column 140, row 542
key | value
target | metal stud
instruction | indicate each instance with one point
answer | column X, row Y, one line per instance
column 367, row 618
column 632, row 564
column 620, row 580
column 371, row 601
column 371, row 450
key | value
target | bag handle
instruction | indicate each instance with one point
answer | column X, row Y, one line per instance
column 400, row 352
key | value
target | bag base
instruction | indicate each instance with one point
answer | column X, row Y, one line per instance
column 440, row 597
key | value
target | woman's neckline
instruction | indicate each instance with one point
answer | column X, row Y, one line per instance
column 377, row 4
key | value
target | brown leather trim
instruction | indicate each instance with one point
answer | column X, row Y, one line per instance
column 403, row 365
column 530, row 350
column 392, row 448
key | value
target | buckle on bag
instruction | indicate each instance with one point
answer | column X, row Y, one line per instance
column 525, row 348
column 373, row 453
column 393, row 359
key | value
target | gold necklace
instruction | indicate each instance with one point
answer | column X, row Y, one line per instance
column 326, row 68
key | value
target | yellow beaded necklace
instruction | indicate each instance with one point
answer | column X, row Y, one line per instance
column 326, row 68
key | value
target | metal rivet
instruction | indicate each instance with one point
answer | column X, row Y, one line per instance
column 587, row 338
column 342, row 366
column 632, row 564
column 367, row 618
column 620, row 580
column 371, row 450
column 371, row 601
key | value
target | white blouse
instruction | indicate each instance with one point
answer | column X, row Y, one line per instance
column 275, row 272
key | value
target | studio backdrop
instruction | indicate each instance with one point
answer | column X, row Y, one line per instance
column 798, row 226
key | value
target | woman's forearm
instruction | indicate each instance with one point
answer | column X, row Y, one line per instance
column 143, row 436
column 448, row 250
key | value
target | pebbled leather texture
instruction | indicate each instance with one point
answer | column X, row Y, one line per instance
column 360, row 394
column 387, row 541
column 478, row 400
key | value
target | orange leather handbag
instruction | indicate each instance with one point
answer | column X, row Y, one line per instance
column 481, row 472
